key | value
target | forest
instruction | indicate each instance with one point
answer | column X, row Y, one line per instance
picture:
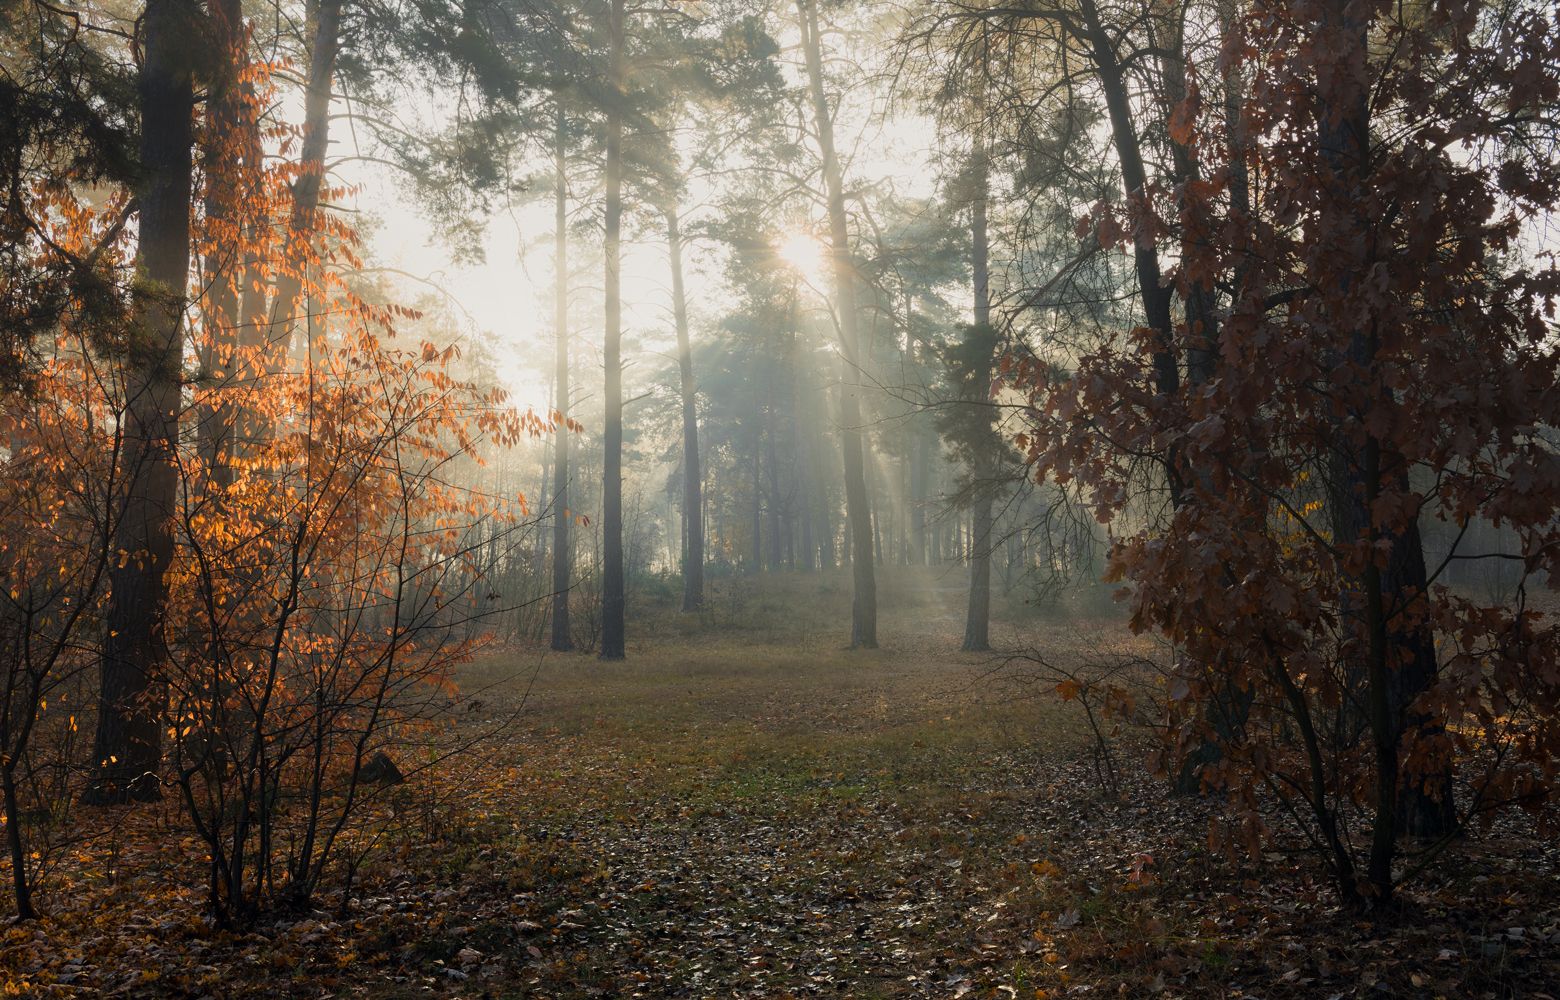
column 779, row 498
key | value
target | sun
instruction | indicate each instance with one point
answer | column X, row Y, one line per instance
column 805, row 255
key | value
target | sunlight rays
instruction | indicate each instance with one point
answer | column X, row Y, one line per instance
column 807, row 256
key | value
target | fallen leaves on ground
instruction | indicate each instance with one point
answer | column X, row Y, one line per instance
column 730, row 820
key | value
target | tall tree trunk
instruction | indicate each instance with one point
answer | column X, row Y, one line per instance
column 934, row 533
column 977, row 618
column 755, row 449
column 1425, row 806
column 857, row 502
column 693, row 471
column 920, row 453
column 539, row 554
column 1198, row 301
column 224, row 163
column 824, row 525
column 1154, row 296
column 822, row 505
column 1156, row 300
column 874, row 476
column 903, row 542
column 613, row 626
column 297, row 254
column 809, row 548
column 127, row 750
column 562, row 551
column 805, row 465
column 251, row 427
column 772, row 474
column 1227, row 706
column 1396, row 658
column 920, row 467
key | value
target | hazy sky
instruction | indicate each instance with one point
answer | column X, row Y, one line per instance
column 510, row 293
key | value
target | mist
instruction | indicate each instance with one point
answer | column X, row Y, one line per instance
column 733, row 498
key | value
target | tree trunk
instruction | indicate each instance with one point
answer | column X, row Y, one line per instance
column 1425, row 807
column 693, row 471
column 297, row 255
column 1228, row 706
column 224, row 164
column 1396, row 661
column 772, row 474
column 876, row 494
column 977, row 618
column 539, row 554
column 806, row 467
column 612, row 587
column 128, row 746
column 824, row 526
column 562, row 551
column 1134, row 181
column 903, row 541
column 920, row 463
column 21, row 888
column 756, row 556
column 857, row 502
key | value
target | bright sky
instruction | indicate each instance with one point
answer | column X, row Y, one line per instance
column 510, row 293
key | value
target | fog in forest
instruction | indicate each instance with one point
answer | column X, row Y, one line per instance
column 871, row 498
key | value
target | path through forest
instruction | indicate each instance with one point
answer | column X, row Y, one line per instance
column 764, row 813
column 757, row 812
column 744, row 808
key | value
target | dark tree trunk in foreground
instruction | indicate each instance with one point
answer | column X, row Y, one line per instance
column 1396, row 658
column 127, row 750
column 562, row 553
column 693, row 473
column 863, row 631
column 21, row 887
column 612, row 587
column 1226, row 708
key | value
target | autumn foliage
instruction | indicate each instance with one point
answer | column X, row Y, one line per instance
column 1267, row 287
column 1382, row 392
column 318, row 587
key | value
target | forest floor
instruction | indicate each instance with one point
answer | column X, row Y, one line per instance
column 743, row 808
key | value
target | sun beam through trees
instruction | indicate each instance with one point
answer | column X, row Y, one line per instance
column 775, row 498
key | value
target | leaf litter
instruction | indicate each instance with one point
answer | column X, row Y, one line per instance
column 771, row 829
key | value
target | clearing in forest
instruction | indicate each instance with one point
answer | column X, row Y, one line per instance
column 745, row 808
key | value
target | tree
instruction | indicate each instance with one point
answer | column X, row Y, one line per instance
column 977, row 619
column 612, row 585
column 562, row 550
column 67, row 121
column 726, row 82
column 128, row 748
column 292, row 276
column 693, row 478
column 1387, row 358
column 863, row 631
column 235, row 205
column 59, row 493
column 324, row 603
